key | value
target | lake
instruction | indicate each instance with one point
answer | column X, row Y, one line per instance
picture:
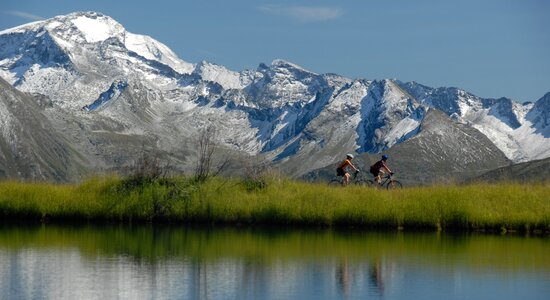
column 177, row 262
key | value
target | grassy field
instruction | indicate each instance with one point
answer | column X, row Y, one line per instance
column 502, row 207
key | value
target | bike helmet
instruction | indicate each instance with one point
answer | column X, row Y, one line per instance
column 385, row 157
column 349, row 155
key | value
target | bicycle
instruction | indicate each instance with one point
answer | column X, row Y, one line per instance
column 388, row 181
column 355, row 179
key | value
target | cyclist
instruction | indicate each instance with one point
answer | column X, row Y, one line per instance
column 341, row 170
column 377, row 171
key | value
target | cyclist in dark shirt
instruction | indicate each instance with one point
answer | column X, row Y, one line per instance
column 377, row 168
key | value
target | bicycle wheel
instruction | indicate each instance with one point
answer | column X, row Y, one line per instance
column 393, row 185
column 335, row 182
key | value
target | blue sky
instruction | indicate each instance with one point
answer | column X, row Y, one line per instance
column 492, row 48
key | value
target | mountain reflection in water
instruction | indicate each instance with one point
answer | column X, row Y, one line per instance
column 169, row 262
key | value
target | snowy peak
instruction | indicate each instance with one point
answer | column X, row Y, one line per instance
column 419, row 91
column 394, row 98
column 285, row 72
column 95, row 27
column 505, row 110
column 543, row 103
column 20, row 50
column 91, row 26
column 154, row 50
column 86, row 39
column 389, row 100
column 540, row 115
column 221, row 75
column 281, row 65
column 466, row 107
column 284, row 83
column 389, row 116
column 75, row 28
column 453, row 101
column 518, row 130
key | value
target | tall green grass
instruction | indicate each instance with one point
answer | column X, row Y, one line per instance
column 504, row 206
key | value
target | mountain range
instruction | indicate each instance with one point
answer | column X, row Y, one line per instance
column 81, row 95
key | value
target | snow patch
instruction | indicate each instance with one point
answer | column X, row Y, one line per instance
column 95, row 30
column 401, row 130
column 519, row 145
column 151, row 49
column 285, row 120
column 53, row 25
column 219, row 74
column 8, row 76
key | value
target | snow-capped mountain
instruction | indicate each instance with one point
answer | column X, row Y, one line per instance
column 76, row 57
column 111, row 90
column 441, row 150
column 517, row 129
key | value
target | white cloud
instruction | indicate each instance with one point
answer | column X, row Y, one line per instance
column 304, row 13
column 25, row 15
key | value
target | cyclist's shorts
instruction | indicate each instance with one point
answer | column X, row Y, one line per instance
column 374, row 171
column 340, row 172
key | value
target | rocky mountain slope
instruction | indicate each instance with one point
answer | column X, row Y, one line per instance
column 114, row 94
column 442, row 151
column 29, row 149
column 532, row 171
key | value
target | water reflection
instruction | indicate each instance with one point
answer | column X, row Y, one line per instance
column 147, row 262
column 376, row 276
column 343, row 276
column 351, row 276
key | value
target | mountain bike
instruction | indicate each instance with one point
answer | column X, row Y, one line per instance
column 387, row 181
column 356, row 179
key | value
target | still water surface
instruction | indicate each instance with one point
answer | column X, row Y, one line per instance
column 152, row 262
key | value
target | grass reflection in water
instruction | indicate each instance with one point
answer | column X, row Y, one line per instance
column 157, row 243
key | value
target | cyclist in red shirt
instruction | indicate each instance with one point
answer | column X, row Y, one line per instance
column 377, row 171
column 341, row 170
